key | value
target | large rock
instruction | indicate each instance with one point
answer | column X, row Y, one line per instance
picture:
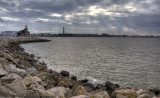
column 16, row 86
column 28, row 94
column 3, row 72
column 5, row 92
column 31, row 71
column 13, row 69
column 79, row 90
column 81, row 96
column 66, row 82
column 11, row 76
column 31, row 83
column 44, row 76
column 58, row 92
column 144, row 93
column 65, row 73
column 101, row 94
column 124, row 93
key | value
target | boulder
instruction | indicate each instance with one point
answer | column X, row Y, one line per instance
column 3, row 72
column 65, row 73
column 144, row 96
column 31, row 71
column 66, row 82
column 81, row 96
column 12, row 76
column 13, row 69
column 58, row 92
column 74, row 78
column 41, row 67
column 16, row 86
column 110, row 87
column 124, row 93
column 79, row 90
column 100, row 87
column 5, row 92
column 142, row 93
column 28, row 94
column 101, row 94
column 44, row 76
column 1, row 66
column 156, row 91
column 31, row 83
column 83, row 81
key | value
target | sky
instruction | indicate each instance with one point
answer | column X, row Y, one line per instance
column 130, row 17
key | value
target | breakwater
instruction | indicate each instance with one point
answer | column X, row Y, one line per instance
column 22, row 76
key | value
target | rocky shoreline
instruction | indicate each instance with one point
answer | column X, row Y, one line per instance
column 21, row 75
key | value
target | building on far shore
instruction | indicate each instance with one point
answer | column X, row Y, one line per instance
column 23, row 32
column 9, row 33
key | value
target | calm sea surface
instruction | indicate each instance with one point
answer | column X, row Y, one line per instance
column 130, row 62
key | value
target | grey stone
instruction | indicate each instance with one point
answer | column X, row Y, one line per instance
column 31, row 71
column 5, row 92
column 13, row 69
column 11, row 76
column 58, row 92
column 3, row 72
column 81, row 96
column 16, row 86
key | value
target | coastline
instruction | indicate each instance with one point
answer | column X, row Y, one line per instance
column 22, row 76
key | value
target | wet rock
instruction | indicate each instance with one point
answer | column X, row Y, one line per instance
column 74, row 78
column 101, row 94
column 65, row 73
column 58, row 92
column 5, row 92
column 31, row 71
column 79, row 91
column 110, row 87
column 156, row 91
column 124, row 93
column 12, row 69
column 12, row 77
column 81, row 96
column 3, row 72
column 83, row 81
column 142, row 93
column 100, row 87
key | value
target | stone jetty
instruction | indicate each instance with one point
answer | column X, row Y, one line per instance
column 22, row 76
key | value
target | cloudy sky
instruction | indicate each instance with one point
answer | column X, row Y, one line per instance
column 132, row 17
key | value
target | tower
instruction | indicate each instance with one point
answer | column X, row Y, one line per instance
column 63, row 30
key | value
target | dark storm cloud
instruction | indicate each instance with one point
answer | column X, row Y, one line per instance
column 108, row 16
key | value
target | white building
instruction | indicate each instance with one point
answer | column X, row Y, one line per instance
column 9, row 33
